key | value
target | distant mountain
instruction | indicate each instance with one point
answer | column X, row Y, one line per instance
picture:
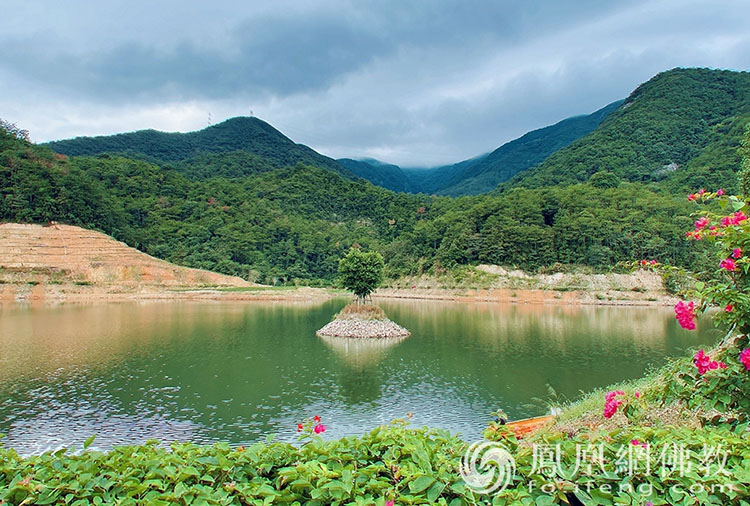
column 521, row 154
column 483, row 173
column 268, row 146
column 382, row 174
column 681, row 128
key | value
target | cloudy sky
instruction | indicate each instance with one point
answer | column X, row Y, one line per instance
column 417, row 83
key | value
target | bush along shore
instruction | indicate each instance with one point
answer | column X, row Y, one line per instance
column 678, row 436
column 363, row 321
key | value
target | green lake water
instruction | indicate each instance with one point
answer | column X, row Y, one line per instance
column 237, row 372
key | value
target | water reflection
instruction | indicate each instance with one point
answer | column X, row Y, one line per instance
column 360, row 353
column 238, row 371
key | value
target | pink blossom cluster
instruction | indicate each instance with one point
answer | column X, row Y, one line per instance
column 685, row 314
column 612, row 403
column 734, row 219
column 703, row 226
column 729, row 263
column 645, row 262
column 318, row 427
column 696, row 196
column 745, row 358
column 704, row 363
column 702, row 191
column 635, row 442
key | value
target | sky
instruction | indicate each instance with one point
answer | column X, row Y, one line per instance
column 418, row 83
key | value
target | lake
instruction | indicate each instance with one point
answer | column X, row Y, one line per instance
column 237, row 372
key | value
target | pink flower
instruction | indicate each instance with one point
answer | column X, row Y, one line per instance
column 701, row 191
column 692, row 196
column 319, row 428
column 745, row 358
column 735, row 219
column 701, row 223
column 611, row 403
column 635, row 442
column 719, row 192
column 637, row 395
column 685, row 314
column 389, row 503
column 729, row 308
column 702, row 362
column 722, row 365
column 654, row 262
column 728, row 264
column 737, row 253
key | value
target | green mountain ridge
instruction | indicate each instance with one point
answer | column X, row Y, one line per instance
column 248, row 134
column 681, row 128
column 244, row 146
column 382, row 174
column 482, row 173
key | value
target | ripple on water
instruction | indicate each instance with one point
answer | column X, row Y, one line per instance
column 236, row 373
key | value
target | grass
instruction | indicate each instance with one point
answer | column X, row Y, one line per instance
column 361, row 312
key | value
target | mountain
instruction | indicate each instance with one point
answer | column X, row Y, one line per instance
column 681, row 128
column 616, row 194
column 483, row 173
column 271, row 148
column 382, row 174
column 295, row 223
column 521, row 154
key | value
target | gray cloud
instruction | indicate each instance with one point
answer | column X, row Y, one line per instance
column 415, row 83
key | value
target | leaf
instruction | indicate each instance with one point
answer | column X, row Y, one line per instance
column 435, row 491
column 88, row 441
column 421, row 484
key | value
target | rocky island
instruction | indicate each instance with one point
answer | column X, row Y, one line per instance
column 362, row 321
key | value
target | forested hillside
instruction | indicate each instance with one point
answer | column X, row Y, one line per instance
column 523, row 153
column 294, row 223
column 616, row 194
column 251, row 135
column 682, row 127
column 382, row 174
column 483, row 173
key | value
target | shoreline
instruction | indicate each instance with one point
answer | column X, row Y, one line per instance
column 53, row 294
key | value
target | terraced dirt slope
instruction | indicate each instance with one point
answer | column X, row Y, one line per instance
column 64, row 253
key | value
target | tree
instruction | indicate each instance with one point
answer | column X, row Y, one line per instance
column 361, row 272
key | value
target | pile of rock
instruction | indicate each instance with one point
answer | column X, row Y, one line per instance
column 351, row 326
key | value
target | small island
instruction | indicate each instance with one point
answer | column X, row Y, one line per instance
column 363, row 321
column 362, row 272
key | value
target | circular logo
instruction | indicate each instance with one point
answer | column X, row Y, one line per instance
column 487, row 467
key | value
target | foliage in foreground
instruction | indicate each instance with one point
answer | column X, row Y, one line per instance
column 390, row 463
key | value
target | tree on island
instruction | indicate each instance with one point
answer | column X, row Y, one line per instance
column 361, row 272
